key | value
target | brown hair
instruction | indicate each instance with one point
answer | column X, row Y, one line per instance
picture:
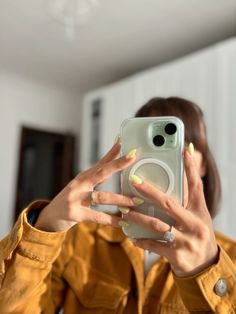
column 195, row 132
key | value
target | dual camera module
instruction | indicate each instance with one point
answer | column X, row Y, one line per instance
column 170, row 129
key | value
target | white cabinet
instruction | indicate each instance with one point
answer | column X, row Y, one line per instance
column 208, row 78
column 223, row 133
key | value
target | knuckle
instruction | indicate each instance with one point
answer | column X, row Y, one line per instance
column 101, row 175
column 190, row 245
column 127, row 200
column 101, row 218
column 71, row 212
column 83, row 175
column 73, row 184
column 70, row 196
column 102, row 172
column 198, row 185
column 169, row 203
column 153, row 224
column 97, row 218
column 120, row 163
column 203, row 232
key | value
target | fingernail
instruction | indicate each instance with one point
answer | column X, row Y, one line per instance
column 135, row 179
column 138, row 201
column 124, row 210
column 123, row 223
column 131, row 153
column 191, row 149
column 117, row 139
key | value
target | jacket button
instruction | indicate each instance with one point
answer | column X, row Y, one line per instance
column 221, row 287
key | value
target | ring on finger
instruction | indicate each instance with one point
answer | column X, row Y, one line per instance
column 169, row 236
column 93, row 198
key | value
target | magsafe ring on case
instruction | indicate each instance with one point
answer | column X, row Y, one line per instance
column 157, row 172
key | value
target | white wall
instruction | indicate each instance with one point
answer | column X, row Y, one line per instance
column 28, row 103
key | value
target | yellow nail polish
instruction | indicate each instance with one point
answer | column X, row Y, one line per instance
column 117, row 139
column 135, row 179
column 131, row 153
column 123, row 223
column 138, row 201
column 191, row 149
column 124, row 210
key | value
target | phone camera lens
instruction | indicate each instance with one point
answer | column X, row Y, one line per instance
column 170, row 128
column 158, row 140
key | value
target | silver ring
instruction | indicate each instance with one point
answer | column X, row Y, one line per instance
column 169, row 236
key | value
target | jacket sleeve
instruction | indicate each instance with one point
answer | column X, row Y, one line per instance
column 213, row 290
column 27, row 283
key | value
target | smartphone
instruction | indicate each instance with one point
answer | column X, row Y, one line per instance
column 159, row 142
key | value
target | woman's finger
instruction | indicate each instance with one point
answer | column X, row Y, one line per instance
column 167, row 203
column 146, row 221
column 109, row 198
column 195, row 185
column 160, row 248
column 106, row 170
column 111, row 154
column 87, row 214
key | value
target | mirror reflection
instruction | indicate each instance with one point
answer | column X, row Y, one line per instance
column 109, row 240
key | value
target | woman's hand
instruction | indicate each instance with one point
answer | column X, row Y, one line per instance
column 72, row 204
column 194, row 247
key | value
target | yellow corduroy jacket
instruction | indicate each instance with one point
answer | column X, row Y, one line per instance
column 95, row 269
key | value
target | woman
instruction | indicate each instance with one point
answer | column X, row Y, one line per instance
column 73, row 258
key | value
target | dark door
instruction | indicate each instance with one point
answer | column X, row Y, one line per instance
column 46, row 165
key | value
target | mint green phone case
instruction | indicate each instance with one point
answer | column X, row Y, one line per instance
column 159, row 142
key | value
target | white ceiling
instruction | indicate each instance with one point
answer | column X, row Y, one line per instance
column 121, row 38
